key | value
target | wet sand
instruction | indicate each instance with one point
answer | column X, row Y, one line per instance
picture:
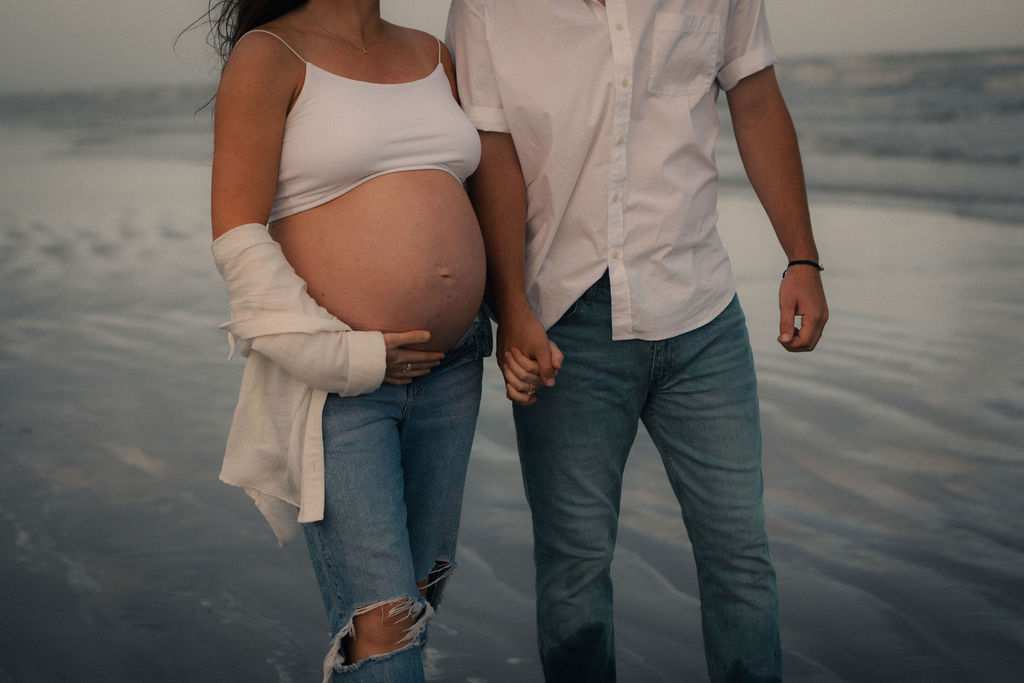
column 893, row 459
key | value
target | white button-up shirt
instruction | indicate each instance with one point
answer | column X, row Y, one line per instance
column 612, row 111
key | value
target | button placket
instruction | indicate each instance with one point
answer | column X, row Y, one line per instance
column 622, row 59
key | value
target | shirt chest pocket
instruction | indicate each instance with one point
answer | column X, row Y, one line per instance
column 685, row 53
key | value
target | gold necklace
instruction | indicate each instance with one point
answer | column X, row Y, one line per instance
column 365, row 49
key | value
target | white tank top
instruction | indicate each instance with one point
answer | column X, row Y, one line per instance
column 341, row 133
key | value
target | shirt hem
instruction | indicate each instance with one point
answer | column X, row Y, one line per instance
column 279, row 513
column 713, row 313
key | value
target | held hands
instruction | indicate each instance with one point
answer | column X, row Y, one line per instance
column 528, row 359
column 403, row 365
column 801, row 295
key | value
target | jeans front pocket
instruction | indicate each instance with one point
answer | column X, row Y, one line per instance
column 574, row 308
column 586, row 299
column 685, row 53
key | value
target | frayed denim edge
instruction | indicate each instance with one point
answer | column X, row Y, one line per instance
column 335, row 660
column 437, row 579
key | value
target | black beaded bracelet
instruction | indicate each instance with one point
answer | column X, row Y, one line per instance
column 802, row 262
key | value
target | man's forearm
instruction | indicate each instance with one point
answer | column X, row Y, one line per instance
column 768, row 146
column 771, row 157
column 498, row 193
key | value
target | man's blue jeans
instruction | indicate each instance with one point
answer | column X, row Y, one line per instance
column 697, row 397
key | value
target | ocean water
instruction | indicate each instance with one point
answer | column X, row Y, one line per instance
column 940, row 129
column 894, row 454
column 945, row 130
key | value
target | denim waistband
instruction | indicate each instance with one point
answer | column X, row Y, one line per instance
column 477, row 335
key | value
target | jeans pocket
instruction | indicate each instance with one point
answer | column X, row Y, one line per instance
column 571, row 313
column 685, row 53
column 585, row 299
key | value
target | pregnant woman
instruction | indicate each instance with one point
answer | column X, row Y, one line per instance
column 357, row 308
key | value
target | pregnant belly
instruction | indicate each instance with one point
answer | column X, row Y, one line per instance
column 400, row 252
column 441, row 295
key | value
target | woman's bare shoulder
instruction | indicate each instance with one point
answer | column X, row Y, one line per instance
column 263, row 59
column 266, row 46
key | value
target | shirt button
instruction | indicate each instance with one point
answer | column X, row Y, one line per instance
column 619, row 140
column 615, row 197
column 618, row 27
column 625, row 82
column 615, row 254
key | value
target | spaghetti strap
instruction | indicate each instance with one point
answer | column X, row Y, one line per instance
column 283, row 42
column 439, row 51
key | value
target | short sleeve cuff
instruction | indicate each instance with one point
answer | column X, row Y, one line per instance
column 488, row 119
column 367, row 361
column 747, row 65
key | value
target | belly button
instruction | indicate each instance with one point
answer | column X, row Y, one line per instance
column 446, row 275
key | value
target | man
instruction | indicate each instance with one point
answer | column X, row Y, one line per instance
column 596, row 193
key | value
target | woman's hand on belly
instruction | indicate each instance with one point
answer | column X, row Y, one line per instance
column 403, row 364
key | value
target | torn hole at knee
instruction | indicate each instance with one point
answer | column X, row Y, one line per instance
column 404, row 618
column 405, row 615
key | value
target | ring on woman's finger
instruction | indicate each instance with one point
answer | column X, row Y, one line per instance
column 529, row 392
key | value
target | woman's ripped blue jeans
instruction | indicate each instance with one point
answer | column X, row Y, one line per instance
column 394, row 466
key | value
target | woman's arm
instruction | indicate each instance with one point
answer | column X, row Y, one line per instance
column 260, row 81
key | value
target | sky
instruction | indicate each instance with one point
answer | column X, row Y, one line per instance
column 56, row 44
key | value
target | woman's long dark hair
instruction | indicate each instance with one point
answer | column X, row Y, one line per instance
column 231, row 19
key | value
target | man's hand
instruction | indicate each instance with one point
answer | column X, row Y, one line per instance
column 527, row 358
column 801, row 294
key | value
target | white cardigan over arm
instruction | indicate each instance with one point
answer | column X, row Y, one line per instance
column 297, row 352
